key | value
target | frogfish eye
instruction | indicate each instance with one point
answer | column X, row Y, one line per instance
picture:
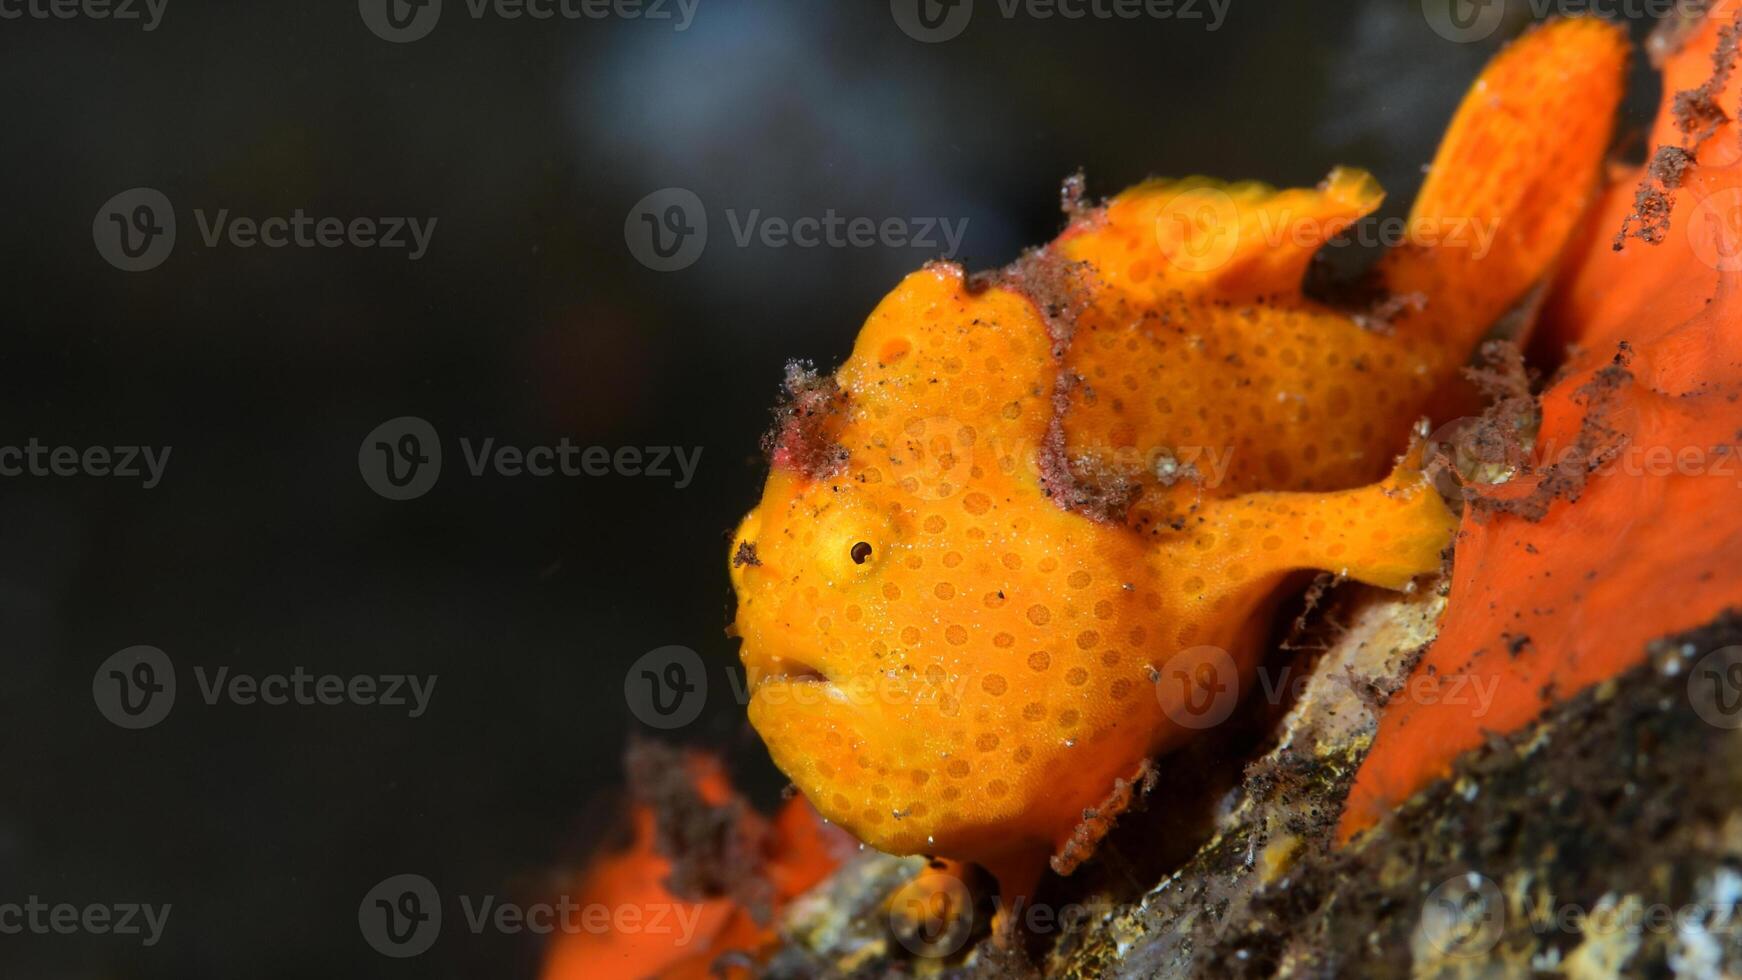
column 860, row 552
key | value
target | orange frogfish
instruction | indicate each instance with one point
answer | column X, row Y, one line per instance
column 1030, row 534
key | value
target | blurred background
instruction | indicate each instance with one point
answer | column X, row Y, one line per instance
column 531, row 143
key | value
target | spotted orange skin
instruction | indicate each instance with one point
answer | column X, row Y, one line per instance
column 949, row 658
column 1260, row 387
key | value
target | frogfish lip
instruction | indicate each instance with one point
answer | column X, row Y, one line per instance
column 770, row 670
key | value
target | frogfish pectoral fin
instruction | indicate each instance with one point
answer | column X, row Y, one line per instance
column 1385, row 534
